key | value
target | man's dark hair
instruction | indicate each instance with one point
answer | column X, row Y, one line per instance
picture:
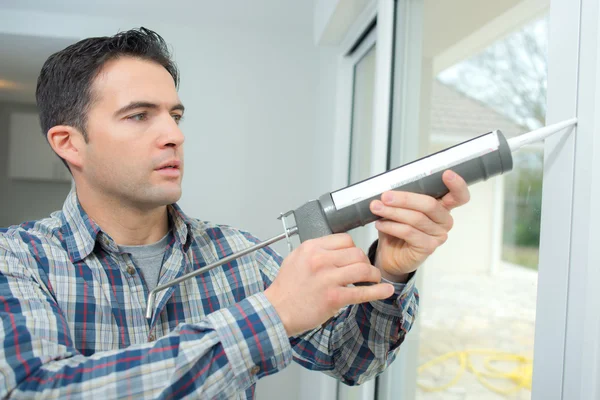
column 64, row 93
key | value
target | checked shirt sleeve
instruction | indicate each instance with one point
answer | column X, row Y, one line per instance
column 221, row 355
column 361, row 340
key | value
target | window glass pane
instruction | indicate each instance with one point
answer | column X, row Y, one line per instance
column 362, row 117
column 477, row 313
column 362, row 130
column 522, row 209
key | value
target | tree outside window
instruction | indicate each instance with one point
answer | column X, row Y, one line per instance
column 517, row 65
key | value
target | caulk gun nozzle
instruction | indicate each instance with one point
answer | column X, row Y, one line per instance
column 537, row 135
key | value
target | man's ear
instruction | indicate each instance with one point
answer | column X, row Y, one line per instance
column 68, row 142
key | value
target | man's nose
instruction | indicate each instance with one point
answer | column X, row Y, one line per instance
column 171, row 134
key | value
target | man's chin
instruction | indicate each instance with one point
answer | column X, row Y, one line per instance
column 163, row 197
column 171, row 198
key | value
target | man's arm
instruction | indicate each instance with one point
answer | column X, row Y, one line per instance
column 357, row 343
column 361, row 341
column 223, row 354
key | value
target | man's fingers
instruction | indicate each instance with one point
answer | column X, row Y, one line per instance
column 416, row 219
column 364, row 294
column 414, row 237
column 332, row 242
column 339, row 258
column 356, row 273
column 424, row 204
column 459, row 190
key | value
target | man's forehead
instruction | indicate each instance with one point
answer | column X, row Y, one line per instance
column 128, row 79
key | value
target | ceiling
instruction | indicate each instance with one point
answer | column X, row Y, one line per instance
column 443, row 29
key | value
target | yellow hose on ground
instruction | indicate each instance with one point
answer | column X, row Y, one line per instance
column 520, row 376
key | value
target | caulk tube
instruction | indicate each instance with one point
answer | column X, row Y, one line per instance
column 475, row 160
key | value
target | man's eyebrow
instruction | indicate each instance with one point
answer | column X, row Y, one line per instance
column 144, row 104
column 178, row 107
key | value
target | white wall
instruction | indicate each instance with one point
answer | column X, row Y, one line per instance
column 259, row 119
column 22, row 200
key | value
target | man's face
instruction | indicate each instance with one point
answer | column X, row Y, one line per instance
column 134, row 152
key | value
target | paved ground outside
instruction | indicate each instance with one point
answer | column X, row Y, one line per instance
column 476, row 311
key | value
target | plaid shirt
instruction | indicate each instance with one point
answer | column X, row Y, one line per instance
column 73, row 317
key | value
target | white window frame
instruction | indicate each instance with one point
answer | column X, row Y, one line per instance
column 399, row 380
column 343, row 24
column 567, row 330
column 567, row 337
column 381, row 11
column 347, row 68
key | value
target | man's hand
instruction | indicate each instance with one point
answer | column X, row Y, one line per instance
column 413, row 226
column 311, row 285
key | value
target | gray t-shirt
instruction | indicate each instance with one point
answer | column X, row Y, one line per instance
column 148, row 259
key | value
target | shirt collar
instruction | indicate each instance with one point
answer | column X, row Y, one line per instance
column 82, row 233
column 181, row 225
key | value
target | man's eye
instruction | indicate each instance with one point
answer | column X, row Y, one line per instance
column 138, row 117
column 177, row 118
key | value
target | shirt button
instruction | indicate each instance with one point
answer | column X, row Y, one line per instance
column 151, row 338
column 255, row 370
column 131, row 270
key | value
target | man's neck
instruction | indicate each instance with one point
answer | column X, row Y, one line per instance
column 126, row 224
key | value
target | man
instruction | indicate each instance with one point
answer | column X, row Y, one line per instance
column 74, row 286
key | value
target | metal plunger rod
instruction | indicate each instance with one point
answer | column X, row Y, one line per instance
column 152, row 294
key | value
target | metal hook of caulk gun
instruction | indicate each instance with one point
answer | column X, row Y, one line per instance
column 475, row 160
